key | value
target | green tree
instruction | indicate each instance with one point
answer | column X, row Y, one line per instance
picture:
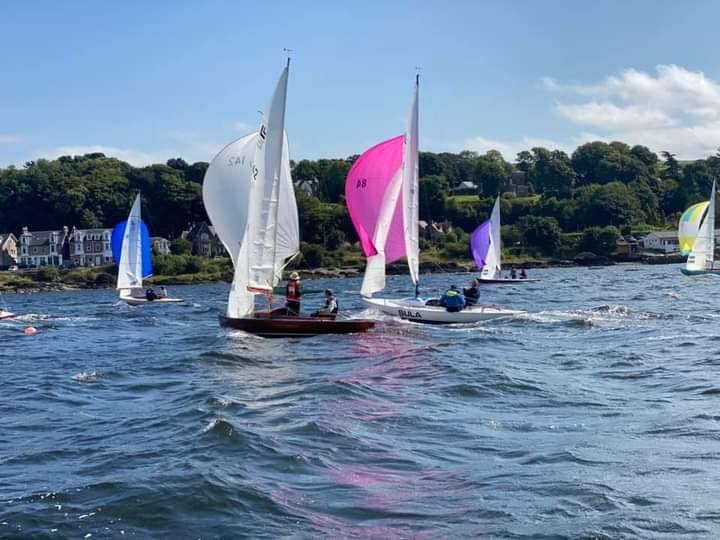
column 541, row 233
column 600, row 240
column 492, row 173
column 432, row 197
column 181, row 246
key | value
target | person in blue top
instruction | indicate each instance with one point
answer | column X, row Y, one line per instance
column 452, row 300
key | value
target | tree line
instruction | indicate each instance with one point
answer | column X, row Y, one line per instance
column 599, row 185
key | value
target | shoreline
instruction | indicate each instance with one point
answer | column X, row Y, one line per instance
column 431, row 267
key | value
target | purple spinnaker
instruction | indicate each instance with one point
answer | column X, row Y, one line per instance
column 480, row 243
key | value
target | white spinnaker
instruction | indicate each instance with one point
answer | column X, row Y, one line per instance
column 130, row 266
column 374, row 278
column 410, row 190
column 492, row 267
column 702, row 255
column 226, row 195
column 263, row 227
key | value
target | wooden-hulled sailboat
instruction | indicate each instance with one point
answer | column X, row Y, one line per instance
column 486, row 248
column 381, row 191
column 131, row 249
column 696, row 233
column 250, row 199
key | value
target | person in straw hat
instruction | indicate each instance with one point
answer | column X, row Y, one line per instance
column 293, row 293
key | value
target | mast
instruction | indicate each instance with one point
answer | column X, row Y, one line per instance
column 410, row 191
column 276, row 180
column 710, row 255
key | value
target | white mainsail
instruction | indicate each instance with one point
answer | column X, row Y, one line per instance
column 410, row 190
column 263, row 226
column 493, row 264
column 233, row 196
column 130, row 265
column 702, row 255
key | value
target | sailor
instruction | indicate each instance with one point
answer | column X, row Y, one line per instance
column 523, row 274
column 330, row 308
column 513, row 273
column 150, row 295
column 472, row 294
column 293, row 293
column 163, row 292
column 452, row 300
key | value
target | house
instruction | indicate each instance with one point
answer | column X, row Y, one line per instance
column 205, row 242
column 627, row 245
column 663, row 241
column 465, row 188
column 43, row 248
column 89, row 247
column 311, row 186
column 518, row 184
column 8, row 250
column 160, row 245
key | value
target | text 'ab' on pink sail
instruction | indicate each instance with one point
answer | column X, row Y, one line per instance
column 365, row 188
column 480, row 243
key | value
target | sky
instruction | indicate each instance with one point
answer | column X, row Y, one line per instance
column 147, row 81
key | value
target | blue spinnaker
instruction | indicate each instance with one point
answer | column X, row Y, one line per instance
column 117, row 238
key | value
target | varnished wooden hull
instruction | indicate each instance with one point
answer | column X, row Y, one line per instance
column 283, row 326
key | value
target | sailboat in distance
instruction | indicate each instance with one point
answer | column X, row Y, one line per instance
column 249, row 197
column 486, row 249
column 132, row 253
column 381, row 192
column 696, row 233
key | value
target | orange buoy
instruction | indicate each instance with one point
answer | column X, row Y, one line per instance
column 30, row 331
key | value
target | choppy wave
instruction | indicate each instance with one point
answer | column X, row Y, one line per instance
column 590, row 416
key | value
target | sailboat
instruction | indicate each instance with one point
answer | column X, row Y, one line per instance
column 131, row 250
column 250, row 199
column 486, row 248
column 696, row 232
column 381, row 191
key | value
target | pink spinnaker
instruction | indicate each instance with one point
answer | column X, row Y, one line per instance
column 365, row 189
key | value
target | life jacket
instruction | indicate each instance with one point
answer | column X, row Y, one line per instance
column 453, row 299
column 292, row 291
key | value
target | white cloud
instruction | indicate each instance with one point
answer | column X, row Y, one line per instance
column 672, row 109
column 11, row 138
column 611, row 116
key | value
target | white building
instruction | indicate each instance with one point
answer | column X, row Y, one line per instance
column 667, row 241
column 663, row 241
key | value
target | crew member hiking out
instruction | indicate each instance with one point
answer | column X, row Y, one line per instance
column 293, row 293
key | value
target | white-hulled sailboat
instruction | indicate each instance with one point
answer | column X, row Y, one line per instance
column 134, row 259
column 250, row 199
column 5, row 313
column 696, row 232
column 486, row 240
column 381, row 192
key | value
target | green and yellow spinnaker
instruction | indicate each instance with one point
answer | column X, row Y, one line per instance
column 689, row 225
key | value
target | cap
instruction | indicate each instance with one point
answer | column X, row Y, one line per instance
column 294, row 275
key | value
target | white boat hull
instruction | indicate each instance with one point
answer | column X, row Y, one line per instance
column 413, row 310
column 6, row 315
column 140, row 300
